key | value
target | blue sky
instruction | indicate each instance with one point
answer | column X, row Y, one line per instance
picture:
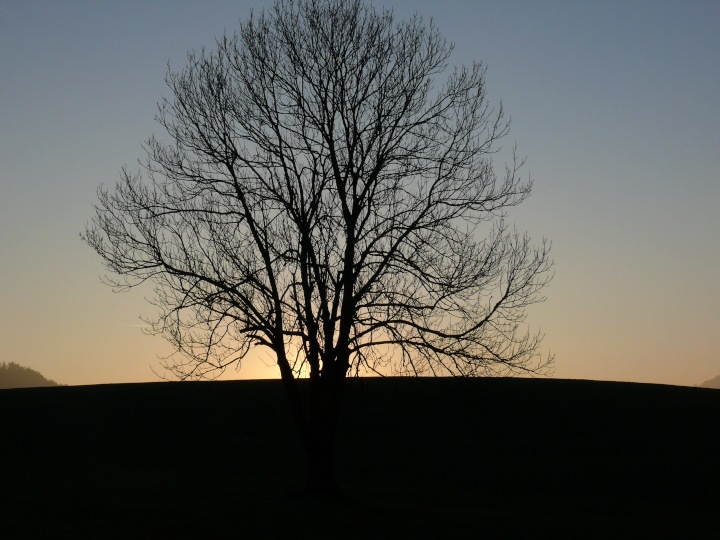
column 615, row 104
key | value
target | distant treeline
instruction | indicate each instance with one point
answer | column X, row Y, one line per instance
column 712, row 383
column 13, row 375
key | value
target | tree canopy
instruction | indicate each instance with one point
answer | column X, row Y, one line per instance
column 324, row 190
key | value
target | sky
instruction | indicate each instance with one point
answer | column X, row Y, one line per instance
column 616, row 105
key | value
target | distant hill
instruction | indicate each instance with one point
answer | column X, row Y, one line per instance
column 13, row 375
column 712, row 383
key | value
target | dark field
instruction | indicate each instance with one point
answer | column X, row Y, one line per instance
column 417, row 458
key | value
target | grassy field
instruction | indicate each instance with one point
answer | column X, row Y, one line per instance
column 417, row 458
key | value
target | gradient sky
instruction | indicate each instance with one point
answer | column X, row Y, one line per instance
column 616, row 105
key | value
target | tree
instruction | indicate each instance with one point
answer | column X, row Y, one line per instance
column 325, row 195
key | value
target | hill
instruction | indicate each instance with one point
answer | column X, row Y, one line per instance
column 13, row 375
column 417, row 458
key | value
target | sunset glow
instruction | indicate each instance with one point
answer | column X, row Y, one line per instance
column 614, row 104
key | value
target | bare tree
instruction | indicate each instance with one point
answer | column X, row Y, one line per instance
column 325, row 193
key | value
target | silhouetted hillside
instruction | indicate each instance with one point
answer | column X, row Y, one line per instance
column 13, row 375
column 416, row 458
column 712, row 383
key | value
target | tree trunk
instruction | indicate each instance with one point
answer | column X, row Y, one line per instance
column 317, row 424
column 320, row 448
column 325, row 403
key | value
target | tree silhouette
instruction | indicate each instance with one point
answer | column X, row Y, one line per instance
column 325, row 194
